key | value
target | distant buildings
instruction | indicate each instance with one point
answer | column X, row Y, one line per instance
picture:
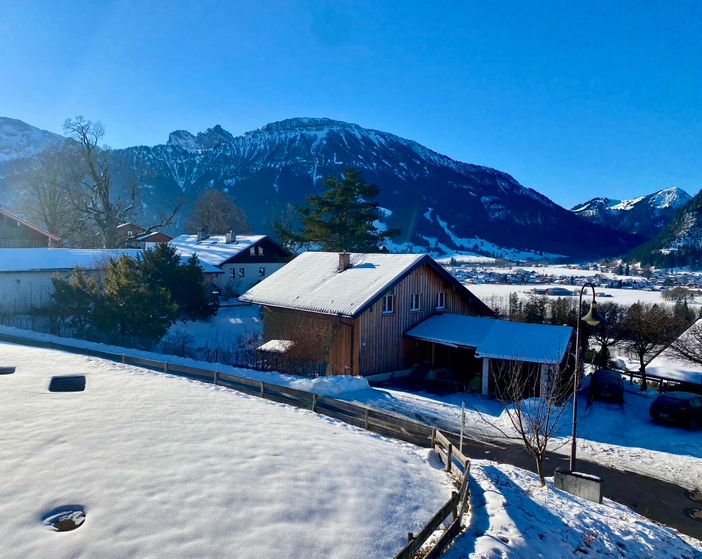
column 16, row 232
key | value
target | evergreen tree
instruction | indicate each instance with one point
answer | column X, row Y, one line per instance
column 75, row 299
column 131, row 306
column 163, row 268
column 343, row 218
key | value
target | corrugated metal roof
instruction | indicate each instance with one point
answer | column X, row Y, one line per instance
column 214, row 249
column 312, row 283
column 497, row 339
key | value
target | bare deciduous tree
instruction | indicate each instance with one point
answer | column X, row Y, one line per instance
column 216, row 213
column 689, row 345
column 648, row 329
column 534, row 421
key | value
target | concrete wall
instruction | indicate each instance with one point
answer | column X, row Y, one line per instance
column 22, row 291
column 581, row 485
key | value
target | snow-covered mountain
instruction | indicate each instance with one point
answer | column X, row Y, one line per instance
column 19, row 140
column 441, row 205
column 645, row 215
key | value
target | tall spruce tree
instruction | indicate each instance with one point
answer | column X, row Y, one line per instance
column 343, row 218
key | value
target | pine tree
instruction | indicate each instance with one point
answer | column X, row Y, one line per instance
column 74, row 299
column 343, row 218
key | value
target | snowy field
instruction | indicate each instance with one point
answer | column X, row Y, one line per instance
column 497, row 295
column 621, row 438
column 167, row 467
column 513, row 516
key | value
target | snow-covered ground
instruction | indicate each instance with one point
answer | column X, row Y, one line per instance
column 513, row 516
column 228, row 329
column 497, row 295
column 167, row 467
column 621, row 438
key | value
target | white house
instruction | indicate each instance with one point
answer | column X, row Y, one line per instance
column 25, row 273
column 245, row 260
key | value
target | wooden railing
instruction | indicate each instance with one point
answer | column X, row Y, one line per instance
column 383, row 423
column 456, row 506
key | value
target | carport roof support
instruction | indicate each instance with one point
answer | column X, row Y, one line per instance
column 497, row 339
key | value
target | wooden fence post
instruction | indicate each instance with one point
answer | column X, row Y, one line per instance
column 433, row 438
column 124, row 358
column 165, row 366
column 214, row 380
column 454, row 497
column 448, row 457
column 365, row 419
column 314, row 401
column 261, row 388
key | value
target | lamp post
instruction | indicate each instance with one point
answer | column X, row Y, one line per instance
column 593, row 319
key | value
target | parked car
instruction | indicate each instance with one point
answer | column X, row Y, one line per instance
column 607, row 385
column 681, row 408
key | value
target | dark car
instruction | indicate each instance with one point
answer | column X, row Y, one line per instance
column 678, row 408
column 607, row 385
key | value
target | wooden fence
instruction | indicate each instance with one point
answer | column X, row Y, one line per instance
column 383, row 423
column 454, row 460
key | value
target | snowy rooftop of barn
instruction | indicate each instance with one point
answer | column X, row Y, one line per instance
column 497, row 339
column 668, row 365
column 214, row 249
column 312, row 282
column 50, row 259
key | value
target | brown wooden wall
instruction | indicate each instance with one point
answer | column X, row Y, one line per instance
column 380, row 337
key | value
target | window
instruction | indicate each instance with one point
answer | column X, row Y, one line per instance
column 232, row 272
column 261, row 272
column 252, row 251
column 441, row 300
column 415, row 302
column 260, row 251
column 389, row 303
column 242, row 272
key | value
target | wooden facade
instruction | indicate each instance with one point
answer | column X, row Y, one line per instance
column 373, row 341
column 16, row 232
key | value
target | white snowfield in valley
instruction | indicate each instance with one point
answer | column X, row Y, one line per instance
column 514, row 517
column 167, row 467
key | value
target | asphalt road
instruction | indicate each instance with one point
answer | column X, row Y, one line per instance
column 658, row 500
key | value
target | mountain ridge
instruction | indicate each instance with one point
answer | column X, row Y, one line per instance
column 441, row 205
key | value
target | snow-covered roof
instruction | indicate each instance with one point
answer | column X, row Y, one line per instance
column 497, row 339
column 48, row 259
column 312, row 283
column 668, row 365
column 214, row 249
column 276, row 346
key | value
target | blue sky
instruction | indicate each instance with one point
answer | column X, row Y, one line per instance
column 574, row 99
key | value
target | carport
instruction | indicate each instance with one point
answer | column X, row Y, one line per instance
column 472, row 345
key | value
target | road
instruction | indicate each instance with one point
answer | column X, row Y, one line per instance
column 658, row 500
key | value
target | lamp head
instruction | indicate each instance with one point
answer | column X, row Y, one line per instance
column 593, row 318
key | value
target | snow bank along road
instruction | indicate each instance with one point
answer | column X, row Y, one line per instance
column 168, row 467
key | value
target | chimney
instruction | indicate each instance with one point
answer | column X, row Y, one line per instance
column 230, row 237
column 201, row 234
column 344, row 261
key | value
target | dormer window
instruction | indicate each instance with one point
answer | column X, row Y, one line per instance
column 416, row 302
column 440, row 301
column 389, row 303
column 252, row 251
column 260, row 251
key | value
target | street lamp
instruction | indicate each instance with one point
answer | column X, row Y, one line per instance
column 593, row 318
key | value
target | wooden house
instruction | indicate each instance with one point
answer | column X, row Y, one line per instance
column 352, row 310
column 16, row 232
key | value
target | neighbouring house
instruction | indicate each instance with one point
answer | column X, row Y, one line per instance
column 244, row 260
column 25, row 274
column 131, row 235
column 379, row 315
column 16, row 232
column 148, row 240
